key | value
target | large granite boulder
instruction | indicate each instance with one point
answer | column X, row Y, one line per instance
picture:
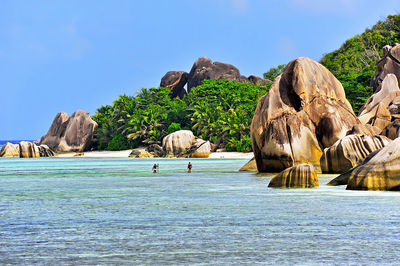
column 389, row 64
column 305, row 111
column 204, row 68
column 376, row 110
column 378, row 171
column 70, row 134
column 175, row 81
column 392, row 131
column 201, row 149
column 348, row 151
column 9, row 150
column 178, row 143
column 299, row 176
column 28, row 150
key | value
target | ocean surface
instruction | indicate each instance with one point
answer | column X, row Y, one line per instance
column 115, row 211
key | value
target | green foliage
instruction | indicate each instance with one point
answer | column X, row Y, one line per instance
column 218, row 108
column 139, row 120
column 354, row 64
column 222, row 108
column 173, row 127
column 118, row 142
column 273, row 72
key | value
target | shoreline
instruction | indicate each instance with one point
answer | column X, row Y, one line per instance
column 125, row 154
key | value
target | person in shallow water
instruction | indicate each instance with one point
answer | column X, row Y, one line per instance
column 155, row 168
column 189, row 167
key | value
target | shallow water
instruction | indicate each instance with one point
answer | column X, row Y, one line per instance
column 115, row 211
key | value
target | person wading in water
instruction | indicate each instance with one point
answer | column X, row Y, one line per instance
column 189, row 167
column 154, row 168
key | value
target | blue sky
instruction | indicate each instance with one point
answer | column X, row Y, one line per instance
column 68, row 55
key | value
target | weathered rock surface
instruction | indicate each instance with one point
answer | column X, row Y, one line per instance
column 140, row 154
column 70, row 134
column 376, row 110
column 45, row 151
column 28, row 150
column 378, row 171
column 258, row 81
column 175, row 81
column 250, row 166
column 389, row 64
column 204, row 68
column 9, row 150
column 299, row 176
column 156, row 150
column 178, row 143
column 202, row 149
column 348, row 151
column 392, row 131
column 305, row 111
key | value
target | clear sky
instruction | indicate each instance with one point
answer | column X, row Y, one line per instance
column 68, row 55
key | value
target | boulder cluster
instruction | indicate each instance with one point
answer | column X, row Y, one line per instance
column 182, row 144
column 305, row 124
column 26, row 149
column 203, row 69
column 66, row 134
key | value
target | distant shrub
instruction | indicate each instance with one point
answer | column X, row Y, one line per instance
column 173, row 127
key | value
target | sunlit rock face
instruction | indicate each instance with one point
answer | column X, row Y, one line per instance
column 299, row 176
column 305, row 111
column 9, row 150
column 70, row 134
column 389, row 64
column 348, row 151
column 201, row 149
column 378, row 171
column 175, row 81
column 178, row 143
column 28, row 150
column 382, row 105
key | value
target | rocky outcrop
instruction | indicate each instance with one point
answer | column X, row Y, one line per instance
column 28, row 150
column 45, row 151
column 258, row 81
column 376, row 110
column 140, row 154
column 305, row 111
column 348, row 151
column 378, row 171
column 250, row 166
column 70, row 134
column 202, row 149
column 204, row 68
column 9, row 150
column 175, row 81
column 299, row 176
column 389, row 64
column 392, row 131
column 155, row 150
column 178, row 143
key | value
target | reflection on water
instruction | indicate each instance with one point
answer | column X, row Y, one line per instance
column 116, row 211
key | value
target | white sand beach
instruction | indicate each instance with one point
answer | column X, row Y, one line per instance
column 125, row 153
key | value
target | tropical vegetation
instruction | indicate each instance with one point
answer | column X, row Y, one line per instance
column 217, row 110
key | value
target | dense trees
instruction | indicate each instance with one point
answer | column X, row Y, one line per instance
column 216, row 110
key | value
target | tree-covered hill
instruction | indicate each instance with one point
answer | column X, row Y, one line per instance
column 354, row 63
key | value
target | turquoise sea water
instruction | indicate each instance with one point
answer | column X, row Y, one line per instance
column 115, row 211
